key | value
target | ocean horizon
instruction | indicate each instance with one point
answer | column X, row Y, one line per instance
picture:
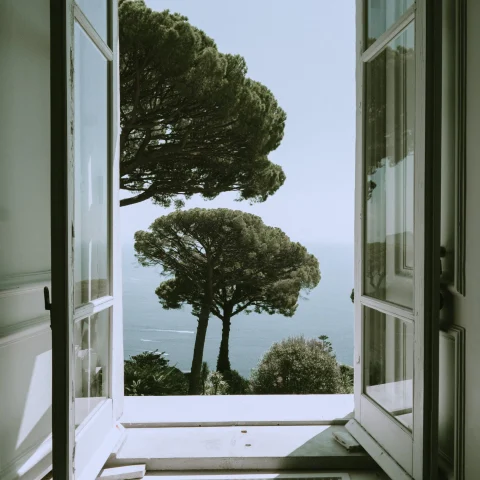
column 327, row 310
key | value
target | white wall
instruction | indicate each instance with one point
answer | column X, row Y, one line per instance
column 24, row 137
column 25, row 339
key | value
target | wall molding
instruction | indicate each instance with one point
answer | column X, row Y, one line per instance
column 24, row 330
column 20, row 284
column 457, row 334
column 460, row 142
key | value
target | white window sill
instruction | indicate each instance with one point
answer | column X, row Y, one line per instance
column 228, row 410
column 266, row 432
column 244, row 448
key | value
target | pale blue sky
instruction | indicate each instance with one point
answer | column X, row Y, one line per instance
column 304, row 52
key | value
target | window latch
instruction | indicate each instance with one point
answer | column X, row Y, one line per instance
column 46, row 297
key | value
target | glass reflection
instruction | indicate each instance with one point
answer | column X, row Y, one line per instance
column 91, row 340
column 382, row 14
column 388, row 366
column 389, row 180
column 91, row 171
column 96, row 12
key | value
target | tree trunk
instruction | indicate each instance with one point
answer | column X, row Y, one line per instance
column 223, row 362
column 195, row 387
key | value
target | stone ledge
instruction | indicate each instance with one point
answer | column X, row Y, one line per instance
column 238, row 448
column 227, row 410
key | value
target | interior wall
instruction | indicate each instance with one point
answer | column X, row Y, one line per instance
column 24, row 137
column 468, row 308
column 25, row 338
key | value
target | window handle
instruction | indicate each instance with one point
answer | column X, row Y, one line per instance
column 443, row 253
column 46, row 297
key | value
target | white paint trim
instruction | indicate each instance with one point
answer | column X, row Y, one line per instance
column 359, row 209
column 393, row 437
column 406, row 314
column 383, row 459
column 97, row 460
column 457, row 334
column 460, row 142
column 24, row 330
column 116, row 285
column 95, row 441
column 21, row 284
column 93, row 307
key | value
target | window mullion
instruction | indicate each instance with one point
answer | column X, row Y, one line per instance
column 387, row 308
column 93, row 307
column 372, row 51
column 92, row 33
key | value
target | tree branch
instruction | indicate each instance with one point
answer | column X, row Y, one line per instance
column 139, row 198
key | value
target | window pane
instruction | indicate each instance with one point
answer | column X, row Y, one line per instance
column 96, row 12
column 388, row 364
column 91, row 339
column 91, row 171
column 382, row 14
column 389, row 181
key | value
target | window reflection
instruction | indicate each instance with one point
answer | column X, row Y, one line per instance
column 382, row 14
column 389, row 182
column 91, row 171
column 91, row 339
column 96, row 12
column 388, row 364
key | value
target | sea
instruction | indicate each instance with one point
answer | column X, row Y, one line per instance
column 326, row 310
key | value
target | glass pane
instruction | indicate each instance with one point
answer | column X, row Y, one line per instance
column 389, row 180
column 388, row 365
column 382, row 14
column 96, row 12
column 91, row 171
column 91, row 339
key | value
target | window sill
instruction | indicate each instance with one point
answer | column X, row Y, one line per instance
column 268, row 433
column 230, row 410
column 245, row 448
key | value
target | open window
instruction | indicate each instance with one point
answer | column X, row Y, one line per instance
column 86, row 286
column 397, row 210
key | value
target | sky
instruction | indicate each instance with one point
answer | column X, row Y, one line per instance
column 304, row 52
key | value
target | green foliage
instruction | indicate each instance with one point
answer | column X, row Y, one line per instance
column 346, row 373
column 204, row 373
column 192, row 121
column 298, row 366
column 149, row 373
column 237, row 385
column 216, row 384
column 255, row 268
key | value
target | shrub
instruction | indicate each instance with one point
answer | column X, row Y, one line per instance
column 346, row 373
column 215, row 384
column 298, row 366
column 237, row 385
column 149, row 373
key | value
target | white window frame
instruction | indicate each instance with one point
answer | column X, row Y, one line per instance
column 399, row 453
column 82, row 450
